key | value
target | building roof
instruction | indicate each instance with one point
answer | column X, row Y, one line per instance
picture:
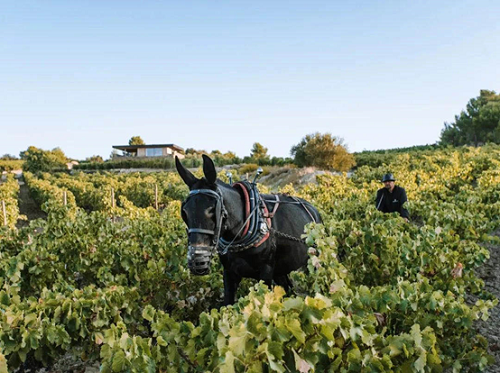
column 135, row 147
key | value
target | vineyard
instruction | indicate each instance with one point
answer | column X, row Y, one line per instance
column 104, row 277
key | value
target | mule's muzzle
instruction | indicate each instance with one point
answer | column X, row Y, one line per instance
column 199, row 258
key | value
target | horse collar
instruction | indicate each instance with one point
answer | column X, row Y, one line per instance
column 255, row 229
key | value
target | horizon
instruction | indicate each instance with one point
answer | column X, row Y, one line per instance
column 209, row 76
column 209, row 152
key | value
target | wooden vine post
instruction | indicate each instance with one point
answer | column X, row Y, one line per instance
column 113, row 203
column 113, row 197
column 4, row 211
column 156, row 196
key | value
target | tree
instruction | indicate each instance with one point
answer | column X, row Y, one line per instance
column 280, row 161
column 8, row 157
column 43, row 160
column 136, row 140
column 193, row 151
column 477, row 124
column 323, row 151
column 95, row 158
column 224, row 159
column 230, row 156
column 114, row 154
column 259, row 153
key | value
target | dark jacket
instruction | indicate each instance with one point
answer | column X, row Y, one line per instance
column 392, row 202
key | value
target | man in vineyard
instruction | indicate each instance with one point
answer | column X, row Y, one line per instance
column 391, row 197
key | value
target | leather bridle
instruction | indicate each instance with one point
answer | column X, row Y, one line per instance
column 220, row 213
column 199, row 257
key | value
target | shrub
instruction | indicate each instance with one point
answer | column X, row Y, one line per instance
column 43, row 160
column 323, row 151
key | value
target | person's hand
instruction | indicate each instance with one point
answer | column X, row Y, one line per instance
column 406, row 220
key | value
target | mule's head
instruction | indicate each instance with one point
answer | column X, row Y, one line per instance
column 203, row 213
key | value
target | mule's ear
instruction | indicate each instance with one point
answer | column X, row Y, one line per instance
column 209, row 169
column 186, row 175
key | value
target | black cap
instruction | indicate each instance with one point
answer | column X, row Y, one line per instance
column 388, row 177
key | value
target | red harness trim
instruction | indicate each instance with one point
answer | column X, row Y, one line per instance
column 275, row 208
column 266, row 215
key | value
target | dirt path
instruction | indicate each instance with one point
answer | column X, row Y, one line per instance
column 490, row 273
column 28, row 207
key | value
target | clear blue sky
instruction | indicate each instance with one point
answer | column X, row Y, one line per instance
column 86, row 75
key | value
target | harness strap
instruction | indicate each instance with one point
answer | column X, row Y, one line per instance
column 205, row 191
column 265, row 214
column 271, row 214
column 305, row 208
column 200, row 230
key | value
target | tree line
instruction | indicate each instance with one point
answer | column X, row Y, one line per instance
column 319, row 150
column 323, row 151
column 476, row 125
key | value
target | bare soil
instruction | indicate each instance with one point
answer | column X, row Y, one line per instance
column 28, row 207
column 490, row 273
